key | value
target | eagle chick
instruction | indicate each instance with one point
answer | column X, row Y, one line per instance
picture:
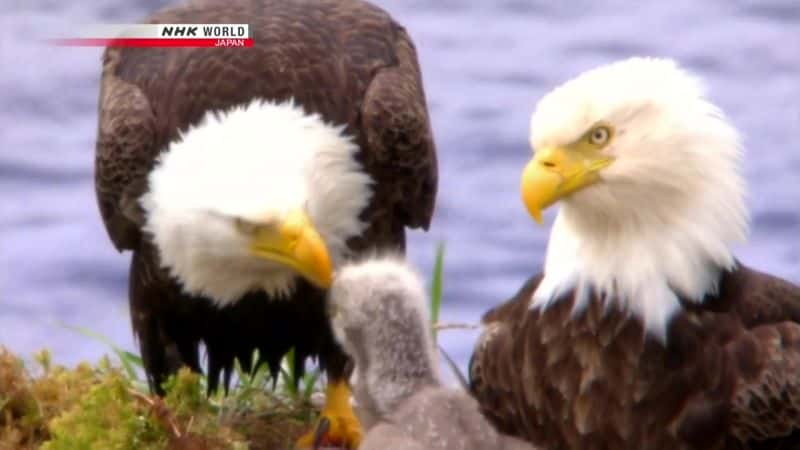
column 379, row 315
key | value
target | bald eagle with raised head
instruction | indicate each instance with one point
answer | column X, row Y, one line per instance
column 240, row 178
column 644, row 331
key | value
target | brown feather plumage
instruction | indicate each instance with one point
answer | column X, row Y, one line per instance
column 343, row 59
column 728, row 377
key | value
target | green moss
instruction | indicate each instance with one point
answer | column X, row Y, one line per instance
column 105, row 406
column 28, row 403
column 106, row 417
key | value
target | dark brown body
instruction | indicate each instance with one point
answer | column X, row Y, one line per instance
column 727, row 378
column 343, row 59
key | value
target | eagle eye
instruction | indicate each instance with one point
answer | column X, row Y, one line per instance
column 599, row 135
column 244, row 226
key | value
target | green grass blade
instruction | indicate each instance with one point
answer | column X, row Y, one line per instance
column 437, row 285
column 242, row 378
column 288, row 387
column 310, row 383
column 289, row 358
column 129, row 361
column 132, row 358
column 462, row 380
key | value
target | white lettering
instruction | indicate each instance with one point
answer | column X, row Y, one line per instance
column 223, row 31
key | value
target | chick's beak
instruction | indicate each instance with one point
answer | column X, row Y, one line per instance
column 295, row 243
column 557, row 172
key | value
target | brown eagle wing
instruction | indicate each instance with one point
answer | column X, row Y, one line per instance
column 766, row 400
column 494, row 369
column 757, row 321
column 397, row 130
column 124, row 153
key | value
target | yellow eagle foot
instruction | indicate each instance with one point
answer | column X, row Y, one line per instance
column 337, row 425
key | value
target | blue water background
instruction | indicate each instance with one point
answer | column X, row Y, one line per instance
column 485, row 64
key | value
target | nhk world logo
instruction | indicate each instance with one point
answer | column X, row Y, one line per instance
column 161, row 35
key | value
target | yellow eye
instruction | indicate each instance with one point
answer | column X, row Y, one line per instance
column 599, row 135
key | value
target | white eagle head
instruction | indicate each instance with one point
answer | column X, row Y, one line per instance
column 648, row 175
column 252, row 197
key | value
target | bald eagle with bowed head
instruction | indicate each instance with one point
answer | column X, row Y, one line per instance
column 379, row 314
column 240, row 178
column 644, row 331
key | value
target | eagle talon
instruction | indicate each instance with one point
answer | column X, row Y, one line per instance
column 337, row 424
column 320, row 432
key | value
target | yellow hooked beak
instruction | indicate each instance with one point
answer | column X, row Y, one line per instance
column 295, row 242
column 556, row 172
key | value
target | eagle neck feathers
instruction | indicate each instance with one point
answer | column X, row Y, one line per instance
column 647, row 269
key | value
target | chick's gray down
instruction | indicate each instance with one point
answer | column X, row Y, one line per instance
column 379, row 314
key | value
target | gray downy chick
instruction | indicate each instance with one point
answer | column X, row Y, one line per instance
column 379, row 314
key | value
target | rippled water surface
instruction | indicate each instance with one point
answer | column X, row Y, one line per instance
column 485, row 64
